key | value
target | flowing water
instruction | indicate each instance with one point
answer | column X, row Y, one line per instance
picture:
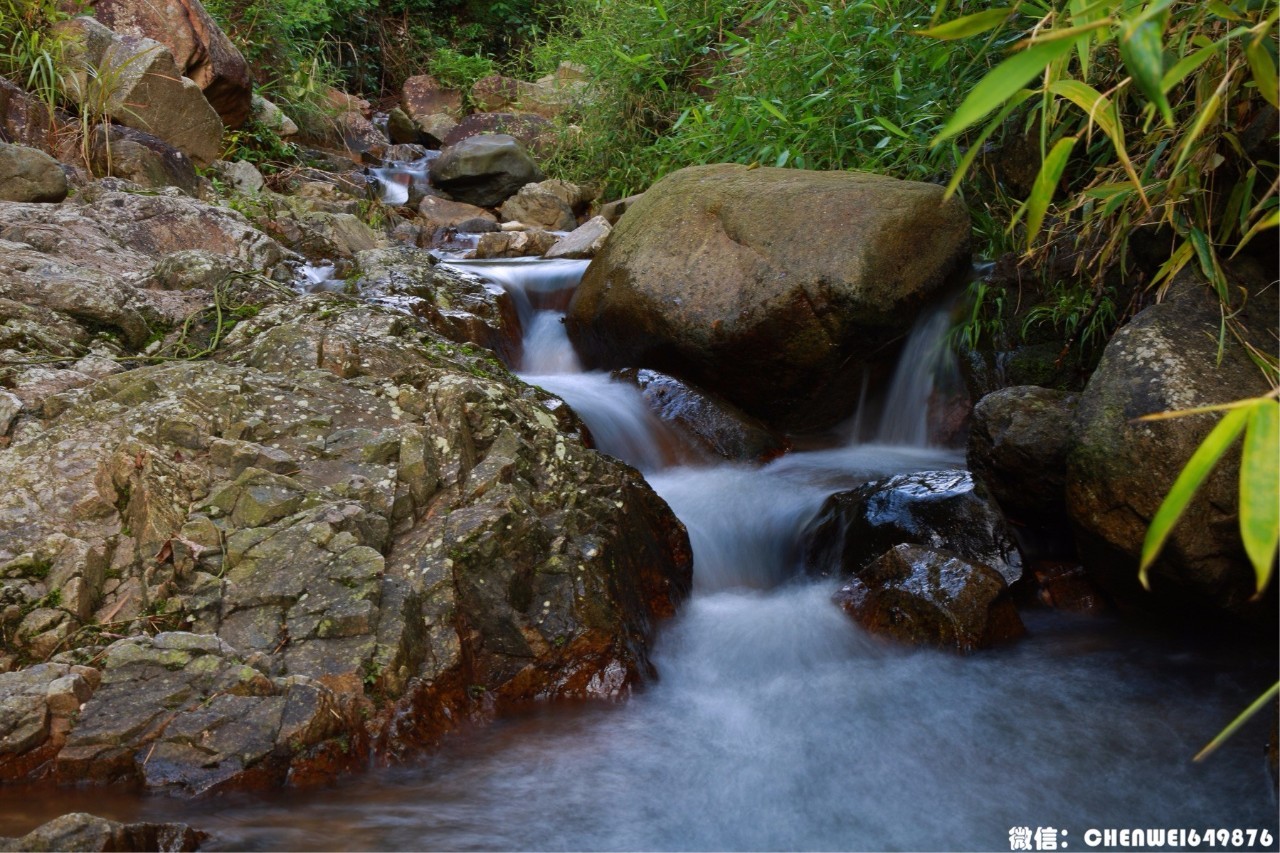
column 777, row 723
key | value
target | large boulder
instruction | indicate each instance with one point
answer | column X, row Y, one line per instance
column 146, row 160
column 538, row 206
column 1120, row 469
column 199, row 47
column 135, row 81
column 352, row 535
column 920, row 596
column 713, row 275
column 939, row 509
column 1019, row 438
column 484, row 170
column 28, row 174
column 25, row 120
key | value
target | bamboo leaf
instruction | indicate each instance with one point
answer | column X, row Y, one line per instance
column 1263, row 224
column 892, row 128
column 1046, row 184
column 1142, row 49
column 1101, row 110
column 969, row 25
column 1187, row 484
column 971, row 154
column 1260, row 489
column 1001, row 83
column 1207, row 113
column 1257, row 705
column 1263, row 66
column 773, row 110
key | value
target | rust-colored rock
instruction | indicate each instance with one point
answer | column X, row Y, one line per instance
column 423, row 95
column 199, row 47
column 923, row 597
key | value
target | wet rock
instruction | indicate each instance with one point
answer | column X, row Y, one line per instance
column 921, row 596
column 360, row 137
column 1120, row 469
column 938, row 509
column 147, row 90
column 585, row 241
column 461, row 307
column 441, row 213
column 38, row 706
column 513, row 244
column 85, row 832
column 365, row 534
column 718, row 427
column 710, row 275
column 423, row 96
column 1018, row 443
column 528, row 129
column 30, row 175
column 201, row 50
column 484, row 170
column 146, row 160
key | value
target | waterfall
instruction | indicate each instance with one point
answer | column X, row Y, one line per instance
column 905, row 420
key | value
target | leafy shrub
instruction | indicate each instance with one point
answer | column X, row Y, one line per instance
column 31, row 52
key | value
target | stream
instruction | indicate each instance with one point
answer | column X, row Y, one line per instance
column 776, row 723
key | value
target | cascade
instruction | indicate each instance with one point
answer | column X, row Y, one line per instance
column 776, row 723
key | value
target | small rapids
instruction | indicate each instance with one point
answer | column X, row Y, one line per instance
column 777, row 724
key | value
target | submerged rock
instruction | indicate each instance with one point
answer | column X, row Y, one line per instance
column 353, row 535
column 711, row 275
column 938, row 509
column 921, row 596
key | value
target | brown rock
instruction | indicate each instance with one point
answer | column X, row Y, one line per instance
column 422, row 96
column 527, row 128
column 711, row 275
column 923, row 597
column 513, row 244
column 437, row 212
column 494, row 93
column 201, row 50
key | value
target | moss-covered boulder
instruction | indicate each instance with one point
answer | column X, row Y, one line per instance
column 344, row 511
column 712, row 276
column 1120, row 468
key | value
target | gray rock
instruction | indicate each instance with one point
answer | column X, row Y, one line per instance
column 146, row 160
column 80, row 831
column 711, row 275
column 9, row 408
column 612, row 211
column 1019, row 438
column 30, row 175
column 1120, row 469
column 441, row 213
column 920, row 596
column 585, row 241
column 484, row 170
column 240, row 175
column 272, row 117
column 536, row 206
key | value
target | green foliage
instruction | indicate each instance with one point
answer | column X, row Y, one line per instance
column 1173, row 87
column 31, row 52
column 800, row 83
column 259, row 145
column 1081, row 315
column 459, row 70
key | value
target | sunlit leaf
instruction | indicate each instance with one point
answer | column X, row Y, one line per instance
column 892, row 128
column 1260, row 488
column 969, row 25
column 1271, row 221
column 773, row 110
column 1001, row 83
column 971, row 154
column 1232, row 727
column 1189, row 480
column 1100, row 110
column 1046, row 184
